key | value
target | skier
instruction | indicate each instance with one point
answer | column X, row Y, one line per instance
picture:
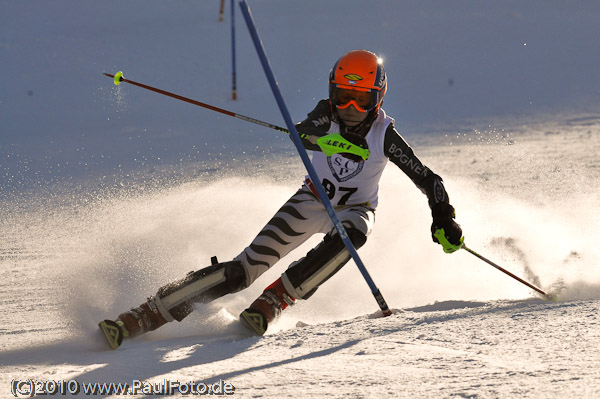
column 357, row 87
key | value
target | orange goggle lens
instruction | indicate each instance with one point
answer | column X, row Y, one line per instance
column 363, row 101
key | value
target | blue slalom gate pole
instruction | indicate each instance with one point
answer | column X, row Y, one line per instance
column 307, row 163
column 233, row 66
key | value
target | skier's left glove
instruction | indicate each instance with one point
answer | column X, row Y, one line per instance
column 444, row 230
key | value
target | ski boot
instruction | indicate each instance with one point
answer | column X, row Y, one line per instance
column 267, row 307
column 132, row 323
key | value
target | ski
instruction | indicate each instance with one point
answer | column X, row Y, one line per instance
column 113, row 332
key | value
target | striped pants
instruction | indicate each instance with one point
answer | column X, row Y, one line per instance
column 302, row 216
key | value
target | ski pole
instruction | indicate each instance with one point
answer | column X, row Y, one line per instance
column 549, row 297
column 329, row 144
column 304, row 156
column 118, row 78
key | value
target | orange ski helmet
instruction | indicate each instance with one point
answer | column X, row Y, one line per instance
column 358, row 79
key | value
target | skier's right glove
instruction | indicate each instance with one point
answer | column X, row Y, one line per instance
column 444, row 230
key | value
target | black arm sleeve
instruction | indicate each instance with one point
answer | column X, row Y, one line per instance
column 317, row 124
column 400, row 153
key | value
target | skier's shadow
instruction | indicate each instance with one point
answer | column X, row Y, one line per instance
column 129, row 362
column 164, row 357
column 161, row 357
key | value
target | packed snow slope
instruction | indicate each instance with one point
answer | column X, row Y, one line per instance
column 109, row 193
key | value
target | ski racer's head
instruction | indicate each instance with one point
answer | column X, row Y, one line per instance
column 357, row 86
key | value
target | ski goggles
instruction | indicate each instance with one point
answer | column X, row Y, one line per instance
column 363, row 101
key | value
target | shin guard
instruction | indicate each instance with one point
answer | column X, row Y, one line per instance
column 176, row 300
column 303, row 277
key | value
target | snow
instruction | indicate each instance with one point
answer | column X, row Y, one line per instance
column 110, row 192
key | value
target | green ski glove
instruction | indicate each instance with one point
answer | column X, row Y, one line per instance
column 442, row 239
column 444, row 230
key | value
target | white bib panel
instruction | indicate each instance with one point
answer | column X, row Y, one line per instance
column 348, row 182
